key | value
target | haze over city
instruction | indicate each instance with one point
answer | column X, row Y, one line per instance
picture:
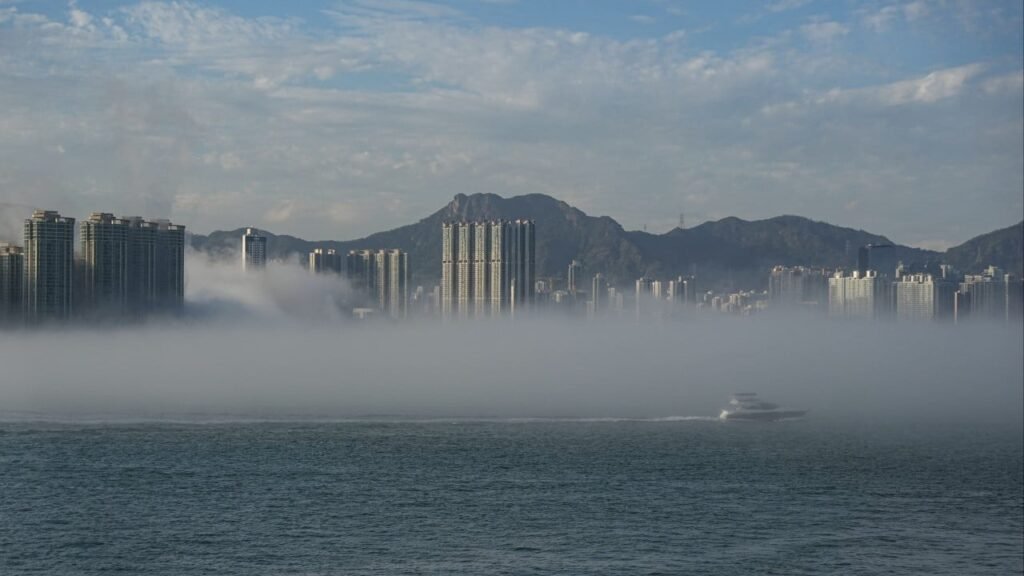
column 469, row 287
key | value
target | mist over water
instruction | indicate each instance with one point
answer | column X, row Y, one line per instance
column 536, row 368
column 276, row 344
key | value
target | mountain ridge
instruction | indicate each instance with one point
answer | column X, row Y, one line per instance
column 730, row 252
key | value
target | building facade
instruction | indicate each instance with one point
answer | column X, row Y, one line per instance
column 867, row 296
column 798, row 286
column 49, row 266
column 487, row 268
column 169, row 265
column 12, row 277
column 382, row 277
column 254, row 250
column 992, row 295
column 104, row 245
column 923, row 297
column 324, row 261
column 141, row 263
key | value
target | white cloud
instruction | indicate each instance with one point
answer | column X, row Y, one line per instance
column 1007, row 83
column 927, row 89
column 824, row 32
column 933, row 87
column 282, row 211
column 188, row 111
column 786, row 5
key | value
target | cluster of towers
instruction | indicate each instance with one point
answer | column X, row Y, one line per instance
column 915, row 293
column 125, row 267
column 488, row 268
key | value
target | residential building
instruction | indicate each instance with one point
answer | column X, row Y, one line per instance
column 49, row 265
column 858, row 295
column 992, row 295
column 140, row 265
column 324, row 261
column 254, row 250
column 169, row 265
column 798, row 286
column 487, row 268
column 104, row 244
column 12, row 275
column 923, row 297
column 382, row 277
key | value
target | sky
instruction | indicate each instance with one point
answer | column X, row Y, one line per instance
column 336, row 119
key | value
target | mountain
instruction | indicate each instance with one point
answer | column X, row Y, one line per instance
column 726, row 253
column 1004, row 248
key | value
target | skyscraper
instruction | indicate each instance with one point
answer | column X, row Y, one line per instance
column 169, row 265
column 49, row 263
column 382, row 276
column 12, row 270
column 481, row 276
column 487, row 268
column 575, row 269
column 923, row 297
column 642, row 297
column 360, row 269
column 324, row 261
column 464, row 269
column 140, row 258
column 597, row 292
column 393, row 282
column 992, row 295
column 104, row 241
column 522, row 259
column 859, row 295
column 797, row 286
column 449, row 270
column 254, row 250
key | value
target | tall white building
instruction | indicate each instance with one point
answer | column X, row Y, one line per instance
column 49, row 266
column 449, row 269
column 923, row 297
column 643, row 297
column 254, row 250
column 487, row 268
column 598, row 293
column 393, row 282
column 858, row 295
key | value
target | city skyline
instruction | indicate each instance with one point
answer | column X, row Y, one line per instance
column 902, row 116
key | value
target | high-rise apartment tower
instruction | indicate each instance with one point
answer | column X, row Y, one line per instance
column 49, row 265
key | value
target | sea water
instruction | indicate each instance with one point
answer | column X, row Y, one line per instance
column 676, row 496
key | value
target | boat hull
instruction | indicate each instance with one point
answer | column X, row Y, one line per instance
column 761, row 416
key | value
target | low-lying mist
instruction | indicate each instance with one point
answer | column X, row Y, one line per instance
column 274, row 345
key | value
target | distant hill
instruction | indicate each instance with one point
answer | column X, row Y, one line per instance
column 1004, row 248
column 726, row 253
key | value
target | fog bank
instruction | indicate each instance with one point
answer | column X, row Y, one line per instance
column 535, row 368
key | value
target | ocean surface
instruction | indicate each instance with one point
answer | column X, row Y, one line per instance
column 510, row 497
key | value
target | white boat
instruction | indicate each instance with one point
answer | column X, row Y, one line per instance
column 747, row 406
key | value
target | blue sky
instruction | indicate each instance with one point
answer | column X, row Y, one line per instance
column 336, row 119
